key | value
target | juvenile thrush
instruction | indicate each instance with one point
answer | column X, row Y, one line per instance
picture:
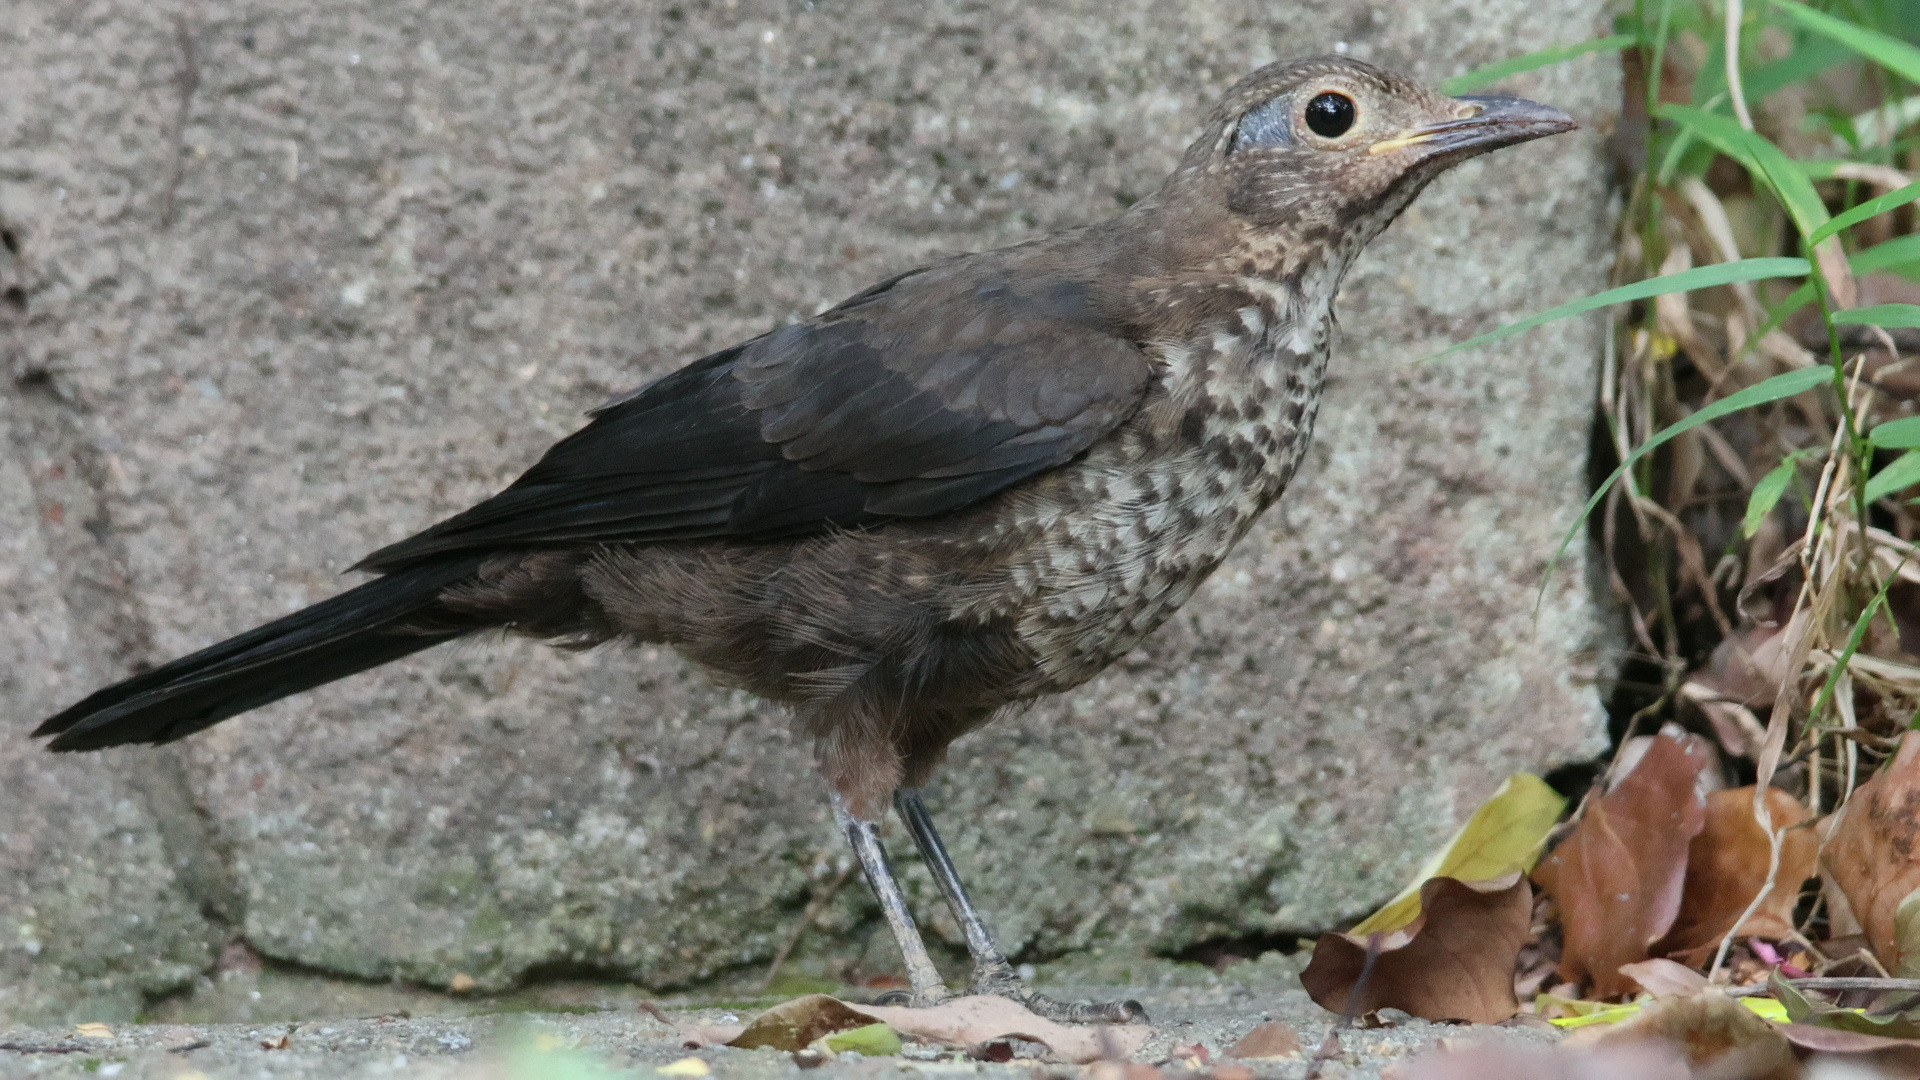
column 974, row 483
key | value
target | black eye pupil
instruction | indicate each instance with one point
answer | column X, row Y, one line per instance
column 1330, row 115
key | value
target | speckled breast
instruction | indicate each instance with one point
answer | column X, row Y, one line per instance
column 1119, row 542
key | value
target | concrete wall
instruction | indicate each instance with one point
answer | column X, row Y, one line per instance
column 289, row 281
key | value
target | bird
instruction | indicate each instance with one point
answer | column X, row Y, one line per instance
column 968, row 486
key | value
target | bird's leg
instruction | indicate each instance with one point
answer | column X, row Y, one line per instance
column 928, row 989
column 991, row 972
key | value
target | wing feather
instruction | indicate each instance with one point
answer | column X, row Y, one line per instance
column 927, row 393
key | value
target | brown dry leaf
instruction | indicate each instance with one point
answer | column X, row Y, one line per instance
column 1745, row 668
column 1868, row 1057
column 1874, row 859
column 1642, row 1062
column 967, row 1021
column 1828, row 1040
column 1618, row 878
column 1269, row 1040
column 1664, row 978
column 695, row 1036
column 1727, row 865
column 1454, row 962
column 792, row 1025
column 1718, row 1035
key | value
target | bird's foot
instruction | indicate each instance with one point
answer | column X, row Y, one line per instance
column 1000, row 980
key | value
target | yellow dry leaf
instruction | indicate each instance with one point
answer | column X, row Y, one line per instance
column 1605, row 1015
column 686, row 1066
column 873, row 1040
column 1504, row 836
column 93, row 1031
column 547, row 1043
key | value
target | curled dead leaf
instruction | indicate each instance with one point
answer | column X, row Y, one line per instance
column 1726, row 867
column 793, row 1025
column 1835, row 1041
column 695, row 1036
column 1718, row 1035
column 1873, row 858
column 1664, row 978
column 1454, row 962
column 1271, row 1039
column 1507, row 833
column 1643, row 1062
column 963, row 1023
column 967, row 1021
column 1618, row 877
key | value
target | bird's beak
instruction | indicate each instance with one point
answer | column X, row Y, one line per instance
column 1485, row 122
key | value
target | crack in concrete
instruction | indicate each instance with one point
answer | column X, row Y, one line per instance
column 186, row 84
column 73, row 478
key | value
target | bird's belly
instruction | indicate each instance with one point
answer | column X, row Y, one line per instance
column 1110, row 572
column 1090, row 560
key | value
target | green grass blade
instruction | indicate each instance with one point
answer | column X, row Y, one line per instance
column 1784, row 385
column 1853, row 644
column 1896, row 252
column 1892, row 200
column 1766, row 494
column 1761, row 157
column 1901, row 472
column 1662, row 30
column 1785, row 309
column 1808, row 59
column 1892, row 316
column 1902, row 434
column 1700, row 277
column 1822, row 168
column 1553, row 54
column 1890, row 52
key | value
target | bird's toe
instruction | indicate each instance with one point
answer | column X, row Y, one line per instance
column 1001, row 981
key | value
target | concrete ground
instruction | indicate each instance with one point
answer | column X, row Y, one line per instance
column 588, row 1031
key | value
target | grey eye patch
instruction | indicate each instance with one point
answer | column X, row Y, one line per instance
column 1268, row 125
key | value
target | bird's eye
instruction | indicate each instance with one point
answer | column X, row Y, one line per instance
column 1330, row 115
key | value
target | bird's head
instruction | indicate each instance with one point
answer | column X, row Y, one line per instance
column 1322, row 153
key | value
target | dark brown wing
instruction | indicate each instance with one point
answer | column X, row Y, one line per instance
column 922, row 395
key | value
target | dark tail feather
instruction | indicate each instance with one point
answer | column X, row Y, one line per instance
column 361, row 628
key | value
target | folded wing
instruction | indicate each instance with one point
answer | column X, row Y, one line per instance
column 927, row 393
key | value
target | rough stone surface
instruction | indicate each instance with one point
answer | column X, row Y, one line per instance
column 97, row 910
column 287, row 282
